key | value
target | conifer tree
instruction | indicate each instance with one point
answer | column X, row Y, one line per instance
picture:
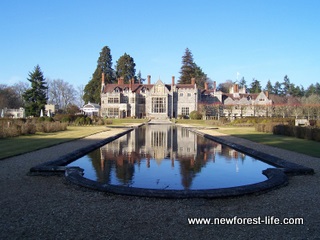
column 104, row 64
column 126, row 67
column 35, row 97
column 188, row 68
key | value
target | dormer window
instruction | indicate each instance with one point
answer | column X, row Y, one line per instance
column 126, row 89
column 117, row 89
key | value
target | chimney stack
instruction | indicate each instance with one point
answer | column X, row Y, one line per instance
column 102, row 82
column 206, row 86
column 131, row 82
column 214, row 85
column 120, row 80
column 172, row 80
column 149, row 79
column 193, row 81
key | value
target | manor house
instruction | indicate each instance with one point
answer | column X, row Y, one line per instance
column 157, row 100
column 162, row 101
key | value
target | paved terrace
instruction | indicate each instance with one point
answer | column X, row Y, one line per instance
column 38, row 207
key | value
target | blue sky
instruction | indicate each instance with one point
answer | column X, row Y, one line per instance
column 257, row 38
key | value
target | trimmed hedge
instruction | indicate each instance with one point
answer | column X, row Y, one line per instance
column 309, row 133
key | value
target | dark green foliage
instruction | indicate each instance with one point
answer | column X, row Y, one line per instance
column 93, row 89
column 126, row 68
column 190, row 69
column 36, row 97
column 84, row 120
column 255, row 86
column 195, row 115
column 104, row 65
column 308, row 133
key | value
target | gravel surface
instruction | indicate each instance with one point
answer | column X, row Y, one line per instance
column 38, row 207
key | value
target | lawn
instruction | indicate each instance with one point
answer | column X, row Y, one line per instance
column 311, row 148
column 22, row 144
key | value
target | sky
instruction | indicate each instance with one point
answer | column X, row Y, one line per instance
column 229, row 39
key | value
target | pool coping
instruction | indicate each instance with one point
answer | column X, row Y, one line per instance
column 277, row 177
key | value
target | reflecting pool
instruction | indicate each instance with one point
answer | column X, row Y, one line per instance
column 169, row 157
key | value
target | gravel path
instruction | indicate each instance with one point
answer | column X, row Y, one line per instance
column 38, row 207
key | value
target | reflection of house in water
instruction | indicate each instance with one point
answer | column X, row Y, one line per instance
column 186, row 150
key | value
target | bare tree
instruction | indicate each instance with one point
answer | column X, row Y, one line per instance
column 61, row 93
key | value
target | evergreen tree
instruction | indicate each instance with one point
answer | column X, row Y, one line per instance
column 278, row 88
column 255, row 86
column 35, row 97
column 243, row 83
column 126, row 67
column 139, row 78
column 269, row 87
column 287, row 86
column 200, row 77
column 104, row 64
column 188, row 68
column 92, row 90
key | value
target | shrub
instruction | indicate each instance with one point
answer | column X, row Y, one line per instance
column 195, row 115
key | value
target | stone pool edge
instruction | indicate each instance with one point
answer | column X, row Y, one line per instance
column 277, row 177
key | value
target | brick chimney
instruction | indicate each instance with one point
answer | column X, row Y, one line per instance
column 214, row 85
column 120, row 80
column 235, row 88
column 193, row 81
column 172, row 81
column 102, row 82
column 149, row 79
column 206, row 86
column 131, row 83
column 267, row 94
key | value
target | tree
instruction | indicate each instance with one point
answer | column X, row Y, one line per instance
column 201, row 77
column 255, row 86
column 188, row 68
column 243, row 83
column 105, row 64
column 225, row 86
column 126, row 67
column 286, row 86
column 269, row 87
column 139, row 78
column 35, row 97
column 277, row 88
column 92, row 90
column 61, row 93
column 9, row 98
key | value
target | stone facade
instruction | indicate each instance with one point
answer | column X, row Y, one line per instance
column 162, row 101
column 159, row 100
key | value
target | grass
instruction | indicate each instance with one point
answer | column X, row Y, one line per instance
column 307, row 147
column 23, row 144
column 125, row 121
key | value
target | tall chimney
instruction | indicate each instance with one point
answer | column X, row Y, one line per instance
column 131, row 82
column 267, row 94
column 172, row 81
column 214, row 85
column 149, row 79
column 193, row 81
column 102, row 82
column 206, row 86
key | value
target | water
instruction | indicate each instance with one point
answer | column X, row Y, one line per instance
column 168, row 157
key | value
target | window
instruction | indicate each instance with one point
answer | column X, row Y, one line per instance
column 158, row 105
column 113, row 100
column 189, row 94
column 132, row 100
column 181, row 94
column 113, row 112
column 185, row 111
